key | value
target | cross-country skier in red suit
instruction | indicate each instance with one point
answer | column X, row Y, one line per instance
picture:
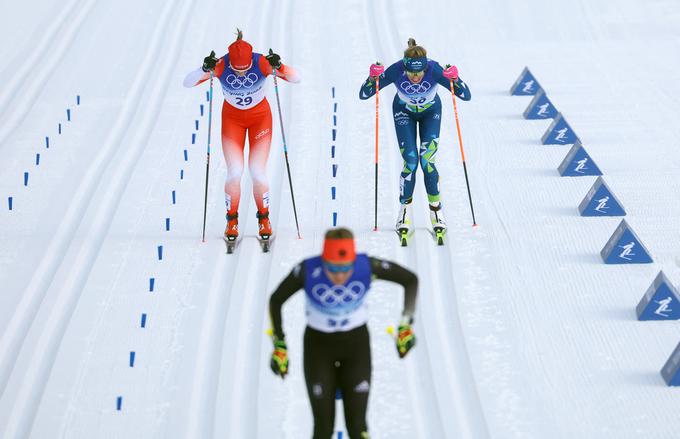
column 243, row 76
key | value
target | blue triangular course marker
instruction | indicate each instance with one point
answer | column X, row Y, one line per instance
column 540, row 107
column 624, row 247
column 671, row 370
column 526, row 84
column 559, row 132
column 578, row 162
column 660, row 302
column 600, row 201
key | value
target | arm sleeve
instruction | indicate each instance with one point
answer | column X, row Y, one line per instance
column 289, row 286
column 368, row 87
column 287, row 73
column 198, row 76
column 392, row 272
column 460, row 88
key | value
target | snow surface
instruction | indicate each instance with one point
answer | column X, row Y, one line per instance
column 522, row 331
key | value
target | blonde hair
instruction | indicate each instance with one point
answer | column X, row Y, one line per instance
column 414, row 50
column 339, row 233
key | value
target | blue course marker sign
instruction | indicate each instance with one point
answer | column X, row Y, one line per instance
column 624, row 247
column 660, row 302
column 525, row 85
column 559, row 132
column 671, row 370
column 578, row 163
column 540, row 107
column 600, row 201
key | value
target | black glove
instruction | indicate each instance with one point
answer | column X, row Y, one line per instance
column 274, row 60
column 209, row 62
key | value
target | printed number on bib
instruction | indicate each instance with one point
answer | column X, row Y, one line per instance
column 244, row 101
column 417, row 101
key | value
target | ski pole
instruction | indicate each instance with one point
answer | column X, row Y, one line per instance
column 207, row 163
column 285, row 150
column 462, row 153
column 377, row 120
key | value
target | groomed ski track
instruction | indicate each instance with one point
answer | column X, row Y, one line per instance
column 522, row 332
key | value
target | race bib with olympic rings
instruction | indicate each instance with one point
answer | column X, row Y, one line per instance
column 331, row 307
column 243, row 91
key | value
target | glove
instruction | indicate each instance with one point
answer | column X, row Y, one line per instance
column 279, row 361
column 405, row 338
column 376, row 69
column 451, row 72
column 274, row 60
column 209, row 62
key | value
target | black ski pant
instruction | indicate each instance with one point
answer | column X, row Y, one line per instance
column 338, row 360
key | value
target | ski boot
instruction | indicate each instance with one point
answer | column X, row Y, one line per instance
column 438, row 223
column 404, row 225
column 265, row 229
column 231, row 232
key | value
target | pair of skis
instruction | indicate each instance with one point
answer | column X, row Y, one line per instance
column 265, row 243
column 438, row 233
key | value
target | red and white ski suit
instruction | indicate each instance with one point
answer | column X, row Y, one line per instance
column 245, row 109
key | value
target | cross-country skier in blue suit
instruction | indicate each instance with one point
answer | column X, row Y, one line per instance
column 417, row 106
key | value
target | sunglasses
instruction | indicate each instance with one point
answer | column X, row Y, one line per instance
column 338, row 268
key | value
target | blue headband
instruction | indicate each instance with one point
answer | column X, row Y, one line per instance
column 415, row 64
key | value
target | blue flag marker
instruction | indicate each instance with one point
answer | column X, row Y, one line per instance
column 335, row 219
column 334, row 134
column 525, row 85
column 142, row 323
column 167, row 224
column 559, row 132
column 174, row 197
column 624, row 247
column 335, row 108
column 201, row 109
column 671, row 370
column 196, row 124
column 160, row 252
column 25, row 178
column 578, row 163
column 9, row 202
column 68, row 114
column 152, row 283
column 59, row 129
column 119, row 403
column 47, row 142
column 207, row 96
column 335, row 170
column 335, row 121
column 333, row 151
column 132, row 358
column 600, row 201
column 77, row 99
column 193, row 138
column 660, row 302
column 186, row 156
column 333, row 192
column 181, row 174
column 37, row 158
column 540, row 107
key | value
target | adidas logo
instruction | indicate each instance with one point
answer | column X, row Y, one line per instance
column 362, row 387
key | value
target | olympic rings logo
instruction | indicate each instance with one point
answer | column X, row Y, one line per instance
column 237, row 82
column 338, row 295
column 421, row 87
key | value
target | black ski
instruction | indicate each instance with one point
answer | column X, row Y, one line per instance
column 231, row 244
column 266, row 243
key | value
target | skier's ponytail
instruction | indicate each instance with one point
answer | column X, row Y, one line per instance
column 414, row 50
